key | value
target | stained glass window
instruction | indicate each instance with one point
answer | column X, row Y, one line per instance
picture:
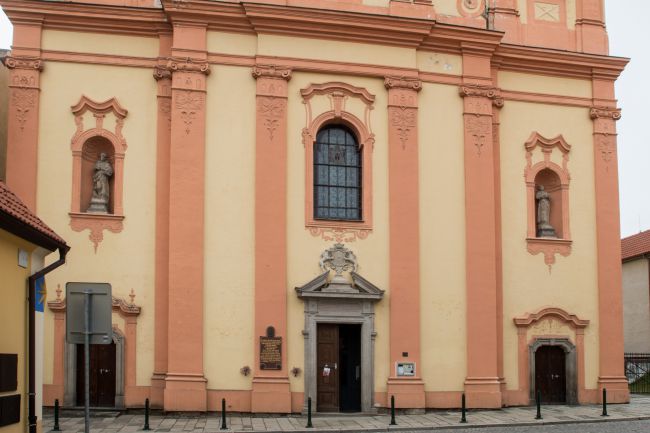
column 337, row 174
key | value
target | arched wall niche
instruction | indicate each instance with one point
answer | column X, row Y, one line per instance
column 337, row 103
column 99, row 130
column 547, row 166
column 90, row 153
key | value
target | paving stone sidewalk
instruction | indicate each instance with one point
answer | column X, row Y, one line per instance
column 639, row 408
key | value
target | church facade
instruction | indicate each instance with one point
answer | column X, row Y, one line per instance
column 336, row 200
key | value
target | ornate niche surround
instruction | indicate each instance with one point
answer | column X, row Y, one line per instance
column 79, row 218
column 548, row 246
column 339, row 95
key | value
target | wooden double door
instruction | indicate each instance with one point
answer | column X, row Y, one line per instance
column 102, row 375
column 338, row 368
column 550, row 374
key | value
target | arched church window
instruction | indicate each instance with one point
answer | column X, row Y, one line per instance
column 337, row 174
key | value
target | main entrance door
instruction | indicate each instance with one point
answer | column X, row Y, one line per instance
column 550, row 374
column 102, row 375
column 338, row 364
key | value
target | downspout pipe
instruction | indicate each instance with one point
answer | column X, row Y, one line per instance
column 31, row 351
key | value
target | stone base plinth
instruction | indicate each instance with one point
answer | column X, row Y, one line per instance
column 408, row 393
column 185, row 392
column 617, row 389
column 483, row 392
column 271, row 395
column 157, row 397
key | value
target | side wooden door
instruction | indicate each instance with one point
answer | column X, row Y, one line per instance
column 327, row 362
column 550, row 374
column 102, row 375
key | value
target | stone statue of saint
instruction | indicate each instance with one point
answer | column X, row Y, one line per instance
column 101, row 189
column 544, row 227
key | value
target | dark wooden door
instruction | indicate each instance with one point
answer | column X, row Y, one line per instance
column 327, row 362
column 102, row 375
column 550, row 374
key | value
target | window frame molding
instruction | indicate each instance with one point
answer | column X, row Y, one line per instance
column 338, row 93
column 95, row 222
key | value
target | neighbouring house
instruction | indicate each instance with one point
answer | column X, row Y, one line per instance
column 636, row 292
column 336, row 200
column 25, row 241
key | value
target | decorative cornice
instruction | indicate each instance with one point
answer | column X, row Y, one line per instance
column 176, row 64
column 31, row 63
column 536, row 139
column 110, row 105
column 119, row 305
column 531, row 318
column 271, row 71
column 335, row 87
column 482, row 91
column 403, row 83
column 162, row 72
column 605, row 113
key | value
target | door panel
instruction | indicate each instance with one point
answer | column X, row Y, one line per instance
column 550, row 374
column 327, row 361
column 102, row 375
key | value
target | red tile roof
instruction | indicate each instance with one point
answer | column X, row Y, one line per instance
column 635, row 245
column 11, row 205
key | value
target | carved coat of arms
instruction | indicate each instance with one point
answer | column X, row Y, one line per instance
column 338, row 259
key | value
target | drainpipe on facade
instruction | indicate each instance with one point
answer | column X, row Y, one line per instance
column 31, row 418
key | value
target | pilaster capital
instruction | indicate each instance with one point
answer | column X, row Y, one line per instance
column 271, row 71
column 187, row 64
column 605, row 113
column 23, row 62
column 403, row 83
column 482, row 91
column 162, row 72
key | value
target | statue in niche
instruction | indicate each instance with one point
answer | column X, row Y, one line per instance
column 544, row 227
column 101, row 188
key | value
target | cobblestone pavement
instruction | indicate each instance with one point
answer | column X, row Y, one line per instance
column 572, row 418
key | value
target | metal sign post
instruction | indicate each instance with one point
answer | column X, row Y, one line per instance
column 92, row 302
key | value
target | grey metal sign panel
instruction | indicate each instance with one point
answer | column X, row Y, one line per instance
column 100, row 304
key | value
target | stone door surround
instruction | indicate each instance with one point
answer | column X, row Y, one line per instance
column 354, row 304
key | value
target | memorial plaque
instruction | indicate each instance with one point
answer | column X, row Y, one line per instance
column 271, row 353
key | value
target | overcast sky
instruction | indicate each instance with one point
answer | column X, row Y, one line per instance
column 629, row 34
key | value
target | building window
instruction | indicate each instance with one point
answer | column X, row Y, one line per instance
column 337, row 175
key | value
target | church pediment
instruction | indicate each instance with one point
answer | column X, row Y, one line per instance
column 339, row 279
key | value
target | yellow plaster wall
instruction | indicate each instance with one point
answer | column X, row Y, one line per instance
column 446, row 7
column 230, row 228
column 98, row 43
column 441, row 63
column 442, row 238
column 231, row 43
column 527, row 283
column 532, row 83
column 13, row 316
column 126, row 259
column 322, row 49
column 304, row 250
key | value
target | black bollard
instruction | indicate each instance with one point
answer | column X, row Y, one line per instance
column 309, row 424
column 392, row 410
column 56, row 416
column 223, row 414
column 146, row 415
column 604, row 402
column 538, row 400
column 463, row 418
